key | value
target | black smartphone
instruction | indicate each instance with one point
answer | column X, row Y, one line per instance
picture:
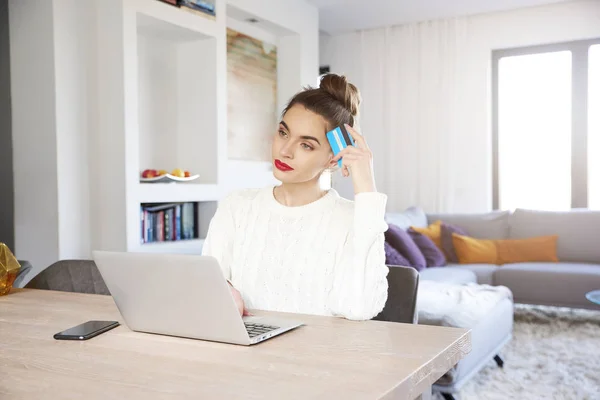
column 86, row 331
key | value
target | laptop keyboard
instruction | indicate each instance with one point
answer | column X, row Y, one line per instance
column 258, row 329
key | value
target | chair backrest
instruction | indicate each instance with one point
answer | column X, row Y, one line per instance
column 24, row 271
column 401, row 304
column 81, row 276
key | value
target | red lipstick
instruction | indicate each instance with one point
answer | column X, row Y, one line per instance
column 282, row 166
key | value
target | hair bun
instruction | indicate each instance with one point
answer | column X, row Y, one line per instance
column 342, row 90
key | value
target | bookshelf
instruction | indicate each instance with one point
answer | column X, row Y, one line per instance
column 178, row 227
column 177, row 90
column 165, row 67
column 178, row 118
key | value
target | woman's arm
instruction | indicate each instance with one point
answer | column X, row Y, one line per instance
column 219, row 240
column 219, row 244
column 360, row 286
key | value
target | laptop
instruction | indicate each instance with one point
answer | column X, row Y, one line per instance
column 181, row 295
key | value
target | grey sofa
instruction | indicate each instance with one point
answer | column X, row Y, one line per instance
column 558, row 284
column 490, row 334
column 562, row 283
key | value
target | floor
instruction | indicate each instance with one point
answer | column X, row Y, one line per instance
column 554, row 354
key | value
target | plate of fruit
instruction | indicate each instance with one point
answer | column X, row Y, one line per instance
column 162, row 176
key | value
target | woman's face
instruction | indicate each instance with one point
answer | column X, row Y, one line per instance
column 300, row 150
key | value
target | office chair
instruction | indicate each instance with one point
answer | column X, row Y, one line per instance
column 401, row 304
column 80, row 276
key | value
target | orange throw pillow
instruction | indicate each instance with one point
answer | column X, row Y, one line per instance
column 485, row 251
column 433, row 232
column 474, row 251
column 540, row 249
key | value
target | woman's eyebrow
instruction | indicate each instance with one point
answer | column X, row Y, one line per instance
column 301, row 137
column 311, row 138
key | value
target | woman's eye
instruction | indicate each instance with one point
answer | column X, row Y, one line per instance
column 282, row 133
column 306, row 146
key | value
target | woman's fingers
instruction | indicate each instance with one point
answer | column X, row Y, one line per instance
column 239, row 302
column 350, row 157
column 358, row 138
column 347, row 151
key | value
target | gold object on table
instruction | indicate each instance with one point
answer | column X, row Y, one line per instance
column 9, row 268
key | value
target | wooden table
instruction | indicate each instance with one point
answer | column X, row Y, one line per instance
column 329, row 358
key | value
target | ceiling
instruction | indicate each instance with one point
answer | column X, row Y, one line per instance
column 337, row 16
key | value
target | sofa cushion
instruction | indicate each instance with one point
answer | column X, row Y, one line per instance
column 484, row 273
column 492, row 225
column 403, row 243
column 448, row 243
column 393, row 257
column 433, row 232
column 560, row 284
column 433, row 255
column 470, row 250
column 413, row 216
column 503, row 251
column 450, row 275
column 578, row 231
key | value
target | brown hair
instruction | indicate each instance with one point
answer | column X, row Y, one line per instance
column 336, row 100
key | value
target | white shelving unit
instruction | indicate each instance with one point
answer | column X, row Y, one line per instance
column 176, row 192
column 190, row 246
column 178, row 127
column 174, row 75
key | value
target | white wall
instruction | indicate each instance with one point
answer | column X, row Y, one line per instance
column 34, row 131
column 50, row 129
column 158, row 103
column 257, row 32
column 71, row 55
column 471, row 172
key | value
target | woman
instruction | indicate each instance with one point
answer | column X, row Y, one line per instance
column 297, row 248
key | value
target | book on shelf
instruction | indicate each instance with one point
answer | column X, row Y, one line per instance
column 166, row 222
column 202, row 6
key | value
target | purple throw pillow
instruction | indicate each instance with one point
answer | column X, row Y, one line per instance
column 400, row 240
column 393, row 257
column 433, row 255
column 446, row 238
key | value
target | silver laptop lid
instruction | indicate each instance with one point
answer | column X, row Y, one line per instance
column 172, row 294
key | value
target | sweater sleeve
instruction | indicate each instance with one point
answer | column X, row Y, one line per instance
column 219, row 239
column 360, row 286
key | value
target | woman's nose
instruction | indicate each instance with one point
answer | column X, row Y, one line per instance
column 286, row 150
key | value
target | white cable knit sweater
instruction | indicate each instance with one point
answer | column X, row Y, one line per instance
column 324, row 258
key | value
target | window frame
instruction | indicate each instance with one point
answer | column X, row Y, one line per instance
column 579, row 114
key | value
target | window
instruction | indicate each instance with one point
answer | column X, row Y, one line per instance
column 534, row 131
column 546, row 142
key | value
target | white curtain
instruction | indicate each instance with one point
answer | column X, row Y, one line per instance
column 414, row 80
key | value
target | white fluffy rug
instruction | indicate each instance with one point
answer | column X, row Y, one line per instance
column 554, row 354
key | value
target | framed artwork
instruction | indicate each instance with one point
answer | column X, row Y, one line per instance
column 251, row 97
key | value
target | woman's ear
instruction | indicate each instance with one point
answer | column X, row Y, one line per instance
column 332, row 164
